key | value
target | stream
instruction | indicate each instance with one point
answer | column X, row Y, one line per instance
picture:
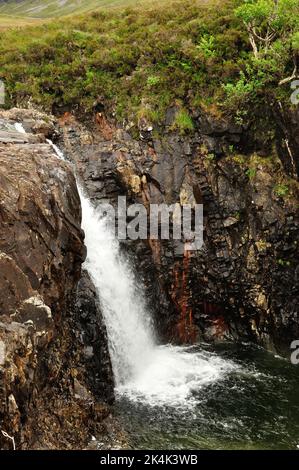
column 253, row 405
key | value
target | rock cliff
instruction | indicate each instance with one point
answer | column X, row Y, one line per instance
column 56, row 379
column 243, row 285
column 50, row 335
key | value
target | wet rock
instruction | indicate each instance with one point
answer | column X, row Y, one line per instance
column 41, row 252
column 33, row 121
column 243, row 283
column 81, row 393
column 97, row 365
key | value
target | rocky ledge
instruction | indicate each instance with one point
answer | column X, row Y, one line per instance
column 55, row 374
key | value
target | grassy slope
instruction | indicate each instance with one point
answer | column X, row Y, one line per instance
column 138, row 61
column 152, row 52
column 56, row 8
column 33, row 12
column 7, row 21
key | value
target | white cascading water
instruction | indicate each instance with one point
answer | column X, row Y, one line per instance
column 19, row 127
column 144, row 371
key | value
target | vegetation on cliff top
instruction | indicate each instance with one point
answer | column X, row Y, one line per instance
column 222, row 56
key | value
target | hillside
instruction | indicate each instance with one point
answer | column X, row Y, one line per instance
column 56, row 8
column 139, row 61
column 7, row 21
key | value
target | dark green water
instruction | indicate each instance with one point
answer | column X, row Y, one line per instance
column 255, row 406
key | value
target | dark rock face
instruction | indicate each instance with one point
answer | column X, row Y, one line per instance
column 288, row 139
column 48, row 342
column 97, row 363
column 243, row 284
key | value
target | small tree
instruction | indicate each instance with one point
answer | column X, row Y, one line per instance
column 269, row 21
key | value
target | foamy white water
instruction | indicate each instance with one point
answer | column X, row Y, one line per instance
column 175, row 376
column 144, row 371
column 157, row 375
column 56, row 149
column 19, row 127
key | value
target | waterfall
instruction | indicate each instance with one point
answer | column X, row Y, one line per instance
column 144, row 371
column 130, row 336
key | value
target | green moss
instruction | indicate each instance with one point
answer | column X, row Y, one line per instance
column 183, row 122
column 283, row 262
column 152, row 80
column 250, row 173
column 281, row 190
column 151, row 115
column 239, row 159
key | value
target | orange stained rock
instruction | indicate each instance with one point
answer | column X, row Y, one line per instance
column 181, row 296
column 106, row 129
column 66, row 119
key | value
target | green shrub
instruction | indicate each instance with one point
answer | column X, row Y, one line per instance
column 250, row 173
column 183, row 122
column 152, row 80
